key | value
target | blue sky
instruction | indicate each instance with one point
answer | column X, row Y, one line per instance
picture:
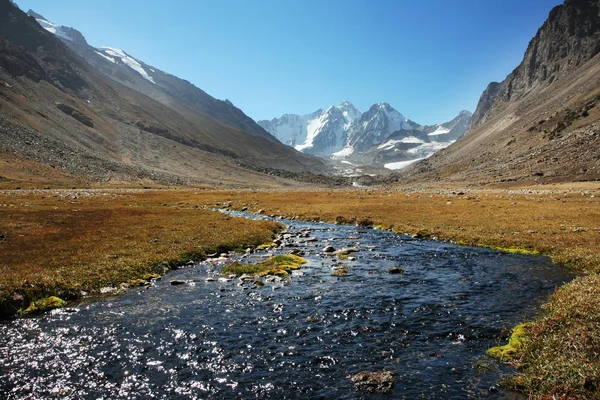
column 429, row 59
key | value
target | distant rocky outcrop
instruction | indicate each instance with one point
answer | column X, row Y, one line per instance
column 378, row 136
column 542, row 123
column 567, row 39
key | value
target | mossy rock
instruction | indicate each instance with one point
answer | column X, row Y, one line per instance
column 518, row 339
column 277, row 265
column 266, row 246
column 47, row 304
column 341, row 272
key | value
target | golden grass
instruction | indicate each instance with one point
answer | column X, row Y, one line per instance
column 58, row 245
column 62, row 243
column 561, row 358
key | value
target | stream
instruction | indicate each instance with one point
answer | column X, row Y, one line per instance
column 297, row 337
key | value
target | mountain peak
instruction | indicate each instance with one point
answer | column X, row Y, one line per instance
column 63, row 32
column 34, row 14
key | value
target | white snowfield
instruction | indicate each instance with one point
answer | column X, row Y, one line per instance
column 127, row 60
column 58, row 30
column 109, row 53
column 392, row 142
column 439, row 131
column 323, row 126
column 112, row 60
column 401, row 164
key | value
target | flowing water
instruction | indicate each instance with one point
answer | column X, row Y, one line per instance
column 300, row 337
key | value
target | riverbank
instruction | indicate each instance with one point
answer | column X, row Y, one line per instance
column 560, row 359
column 66, row 241
column 77, row 243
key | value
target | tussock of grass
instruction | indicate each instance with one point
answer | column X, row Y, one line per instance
column 277, row 265
column 518, row 340
column 562, row 358
column 46, row 304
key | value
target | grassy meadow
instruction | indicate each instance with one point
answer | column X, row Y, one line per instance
column 63, row 242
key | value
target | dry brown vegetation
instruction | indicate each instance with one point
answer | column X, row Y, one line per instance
column 561, row 359
column 62, row 242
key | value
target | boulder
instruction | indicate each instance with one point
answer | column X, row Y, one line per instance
column 374, row 382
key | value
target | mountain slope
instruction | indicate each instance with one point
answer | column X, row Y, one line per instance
column 542, row 123
column 161, row 86
column 57, row 110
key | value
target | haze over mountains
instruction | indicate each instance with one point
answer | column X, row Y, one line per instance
column 379, row 135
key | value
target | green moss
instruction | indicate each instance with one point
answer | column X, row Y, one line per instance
column 49, row 303
column 278, row 265
column 510, row 351
column 266, row 246
column 514, row 250
column 381, row 227
column 341, row 272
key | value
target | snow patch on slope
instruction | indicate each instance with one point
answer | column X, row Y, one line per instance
column 345, row 152
column 58, row 30
column 112, row 60
column 128, row 60
column 439, row 131
column 400, row 164
column 392, row 142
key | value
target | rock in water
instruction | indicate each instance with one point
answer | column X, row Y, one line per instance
column 346, row 250
column 396, row 270
column 374, row 382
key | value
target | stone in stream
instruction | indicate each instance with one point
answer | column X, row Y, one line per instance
column 244, row 209
column 176, row 282
column 374, row 382
column 328, row 249
column 396, row 270
column 278, row 242
column 345, row 251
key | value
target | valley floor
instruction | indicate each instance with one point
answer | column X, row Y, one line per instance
column 64, row 242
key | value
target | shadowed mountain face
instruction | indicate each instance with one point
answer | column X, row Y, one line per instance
column 56, row 109
column 542, row 123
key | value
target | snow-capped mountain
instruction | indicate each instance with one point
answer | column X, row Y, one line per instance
column 63, row 32
column 163, row 87
column 321, row 133
column 373, row 127
column 451, row 130
column 381, row 135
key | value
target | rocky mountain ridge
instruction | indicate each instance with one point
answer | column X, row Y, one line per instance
column 379, row 135
column 542, row 123
column 151, row 81
column 62, row 117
